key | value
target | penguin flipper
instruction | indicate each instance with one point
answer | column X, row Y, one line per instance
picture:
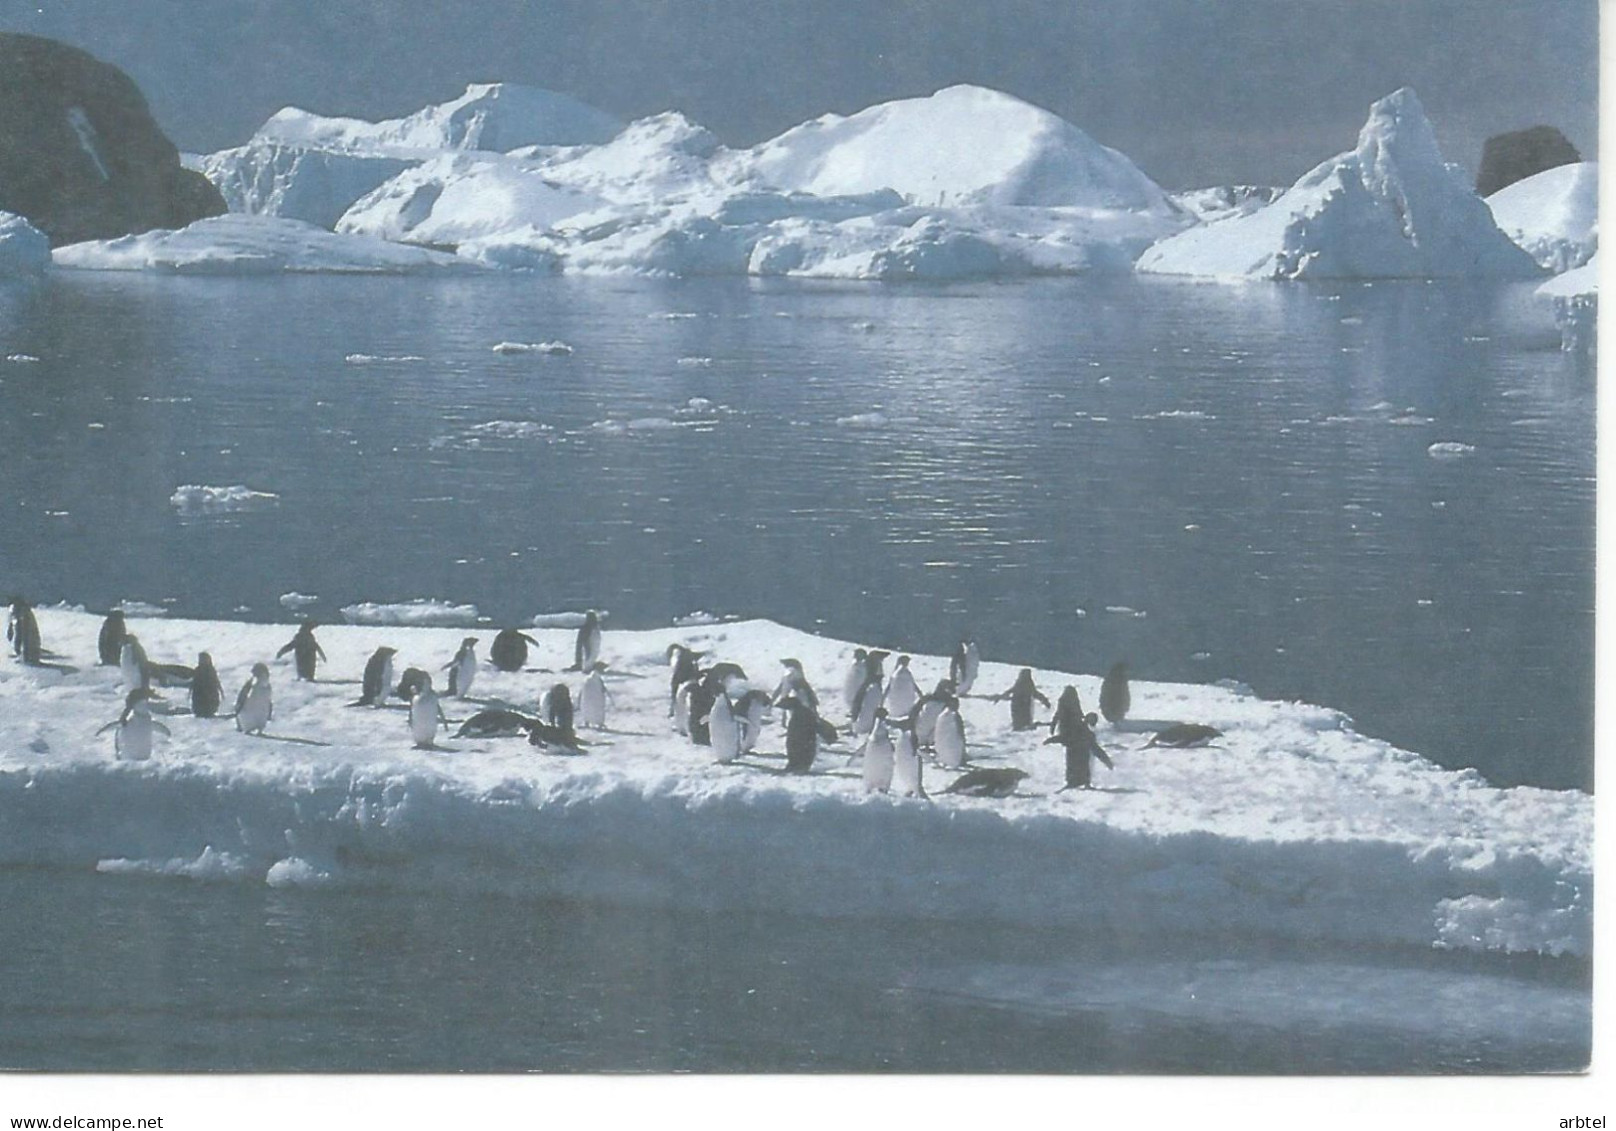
column 109, row 726
column 163, row 728
column 241, row 696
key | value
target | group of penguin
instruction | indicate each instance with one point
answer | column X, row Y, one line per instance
column 715, row 706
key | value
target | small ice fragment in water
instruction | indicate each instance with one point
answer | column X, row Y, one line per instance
column 1449, row 449
column 420, row 611
column 556, row 347
column 694, row 362
column 699, row 617
column 863, row 420
column 21, row 357
column 295, row 600
column 193, row 498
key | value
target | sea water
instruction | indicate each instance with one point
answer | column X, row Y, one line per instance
column 1375, row 496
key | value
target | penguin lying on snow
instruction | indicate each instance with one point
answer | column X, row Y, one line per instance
column 1180, row 735
column 987, row 782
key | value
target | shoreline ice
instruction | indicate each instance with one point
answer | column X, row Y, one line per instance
column 1293, row 827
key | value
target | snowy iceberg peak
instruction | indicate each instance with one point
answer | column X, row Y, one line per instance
column 964, row 145
column 488, row 116
column 1397, row 150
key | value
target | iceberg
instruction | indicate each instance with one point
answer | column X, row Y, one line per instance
column 24, row 249
column 1553, row 216
column 253, row 245
column 1391, row 208
column 268, row 178
column 1293, row 828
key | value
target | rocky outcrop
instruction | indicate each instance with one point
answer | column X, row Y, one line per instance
column 80, row 155
column 1511, row 157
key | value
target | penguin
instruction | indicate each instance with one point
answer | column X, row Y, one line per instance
column 925, row 714
column 255, row 704
column 794, row 684
column 712, row 683
column 682, row 661
column 556, row 707
column 463, row 668
column 132, row 740
column 1021, row 695
column 866, row 703
column 1180, row 735
column 170, row 675
column 681, row 705
column 997, row 781
column 378, row 679
column 749, row 709
column 408, row 682
column 426, row 715
column 1114, row 698
column 508, row 652
column 22, row 629
column 587, row 648
column 1068, row 711
column 1077, row 738
column 855, row 676
column 132, row 663
column 497, row 722
column 306, row 652
column 962, row 667
column 724, row 732
column 804, row 729
column 879, row 755
column 592, row 699
column 206, row 694
column 902, row 692
column 110, row 643
column 553, row 740
column 950, row 736
column 907, row 772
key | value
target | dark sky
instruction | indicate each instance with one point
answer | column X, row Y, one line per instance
column 1196, row 91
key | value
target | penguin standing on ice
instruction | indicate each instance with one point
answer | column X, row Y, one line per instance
column 1076, row 737
column 133, row 666
column 22, row 629
column 724, row 731
column 681, row 704
column 556, row 707
column 109, row 644
column 132, row 740
column 1068, row 711
column 255, row 705
column 963, row 665
column 206, row 694
column 463, row 668
column 854, row 679
column 794, row 684
column 508, row 652
column 923, row 718
column 907, row 772
column 683, row 669
column 592, row 699
column 306, row 651
column 879, row 755
column 868, row 701
column 749, row 711
column 378, row 678
column 804, row 729
column 426, row 715
column 1021, row 694
column 713, row 681
column 586, row 650
column 950, row 736
column 408, row 682
column 902, row 692
column 1114, row 697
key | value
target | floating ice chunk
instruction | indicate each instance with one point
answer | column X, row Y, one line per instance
column 699, row 617
column 613, row 427
column 1475, row 922
column 1450, row 449
column 863, row 420
column 565, row 619
column 295, row 872
column 380, row 358
column 295, row 600
column 193, row 498
column 513, row 430
column 1125, row 611
column 210, row 865
column 420, row 611
column 140, row 609
column 555, row 348
column 695, row 362
column 21, row 358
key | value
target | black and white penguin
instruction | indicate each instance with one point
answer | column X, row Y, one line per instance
column 377, row 683
column 804, row 729
column 508, row 652
column 463, row 668
column 132, row 739
column 987, row 781
column 306, row 651
column 857, row 670
column 1180, row 735
column 1114, row 697
column 950, row 739
column 681, row 704
column 22, row 629
column 907, row 772
column 109, row 644
column 750, row 707
column 255, row 704
column 923, row 718
column 497, row 722
column 133, row 666
column 867, row 702
column 409, row 681
column 556, row 707
column 723, row 729
column 683, row 668
column 1076, row 737
column 206, row 694
column 902, row 692
column 592, row 698
column 879, row 755
column 705, row 689
column 963, row 665
column 1021, row 694
column 794, row 684
column 586, row 650
column 1068, row 711
column 426, row 716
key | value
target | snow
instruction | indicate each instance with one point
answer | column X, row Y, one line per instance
column 1582, row 280
column 252, row 245
column 489, row 116
column 1391, row 208
column 195, row 498
column 24, row 249
column 1553, row 215
column 297, row 183
column 418, row 611
column 1292, row 827
column 1220, row 202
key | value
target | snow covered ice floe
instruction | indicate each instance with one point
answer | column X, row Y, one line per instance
column 419, row 611
column 253, row 245
column 194, row 498
column 1293, row 827
column 1553, row 216
column 1391, row 208
column 24, row 249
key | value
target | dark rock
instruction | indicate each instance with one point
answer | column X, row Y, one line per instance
column 1511, row 157
column 80, row 156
